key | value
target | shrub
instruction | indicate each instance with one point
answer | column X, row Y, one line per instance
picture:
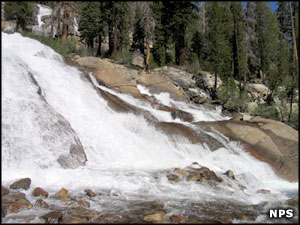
column 124, row 57
column 230, row 97
column 63, row 48
column 267, row 111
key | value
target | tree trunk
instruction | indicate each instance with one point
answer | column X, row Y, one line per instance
column 65, row 26
column 245, row 72
column 90, row 45
column 65, row 32
column 110, row 38
column 204, row 15
column 235, row 53
column 114, row 52
column 182, row 54
column 99, row 46
column 148, row 38
column 180, row 50
column 294, row 37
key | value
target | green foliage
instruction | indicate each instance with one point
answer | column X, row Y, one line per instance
column 63, row 48
column 230, row 97
column 267, row 111
column 139, row 32
column 22, row 12
column 267, row 32
column 91, row 21
column 219, row 38
column 124, row 57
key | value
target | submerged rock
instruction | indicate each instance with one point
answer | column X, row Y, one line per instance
column 204, row 175
column 264, row 191
column 40, row 203
column 15, row 202
column 62, row 194
column 178, row 219
column 70, row 219
column 53, row 217
column 155, row 218
column 21, row 184
column 90, row 193
column 229, row 173
column 83, row 213
column 39, row 192
column 83, row 203
column 173, row 177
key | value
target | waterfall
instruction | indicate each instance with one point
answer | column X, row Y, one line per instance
column 125, row 153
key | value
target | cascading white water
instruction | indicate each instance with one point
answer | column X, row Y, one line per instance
column 40, row 28
column 125, row 153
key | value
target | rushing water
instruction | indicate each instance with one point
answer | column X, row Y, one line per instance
column 127, row 156
column 41, row 28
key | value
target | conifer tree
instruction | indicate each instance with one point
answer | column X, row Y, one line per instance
column 91, row 23
column 162, row 31
column 251, row 41
column 219, row 33
column 267, row 30
column 22, row 12
column 183, row 14
column 238, row 42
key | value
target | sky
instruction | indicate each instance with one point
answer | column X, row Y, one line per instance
column 273, row 5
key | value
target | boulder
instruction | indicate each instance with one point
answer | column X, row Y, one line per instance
column 71, row 220
column 83, row 213
column 263, row 191
column 53, row 217
column 138, row 59
column 15, row 202
column 83, row 203
column 258, row 90
column 229, row 173
column 90, row 193
column 40, row 203
column 173, row 177
column 114, row 76
column 179, row 77
column 4, row 190
column 181, row 172
column 208, row 80
column 39, row 192
column 155, row 218
column 200, row 99
column 21, row 184
column 113, row 218
column 251, row 107
column 204, row 175
column 157, row 83
column 267, row 140
column 63, row 193
column 8, row 25
column 75, row 158
column 178, row 219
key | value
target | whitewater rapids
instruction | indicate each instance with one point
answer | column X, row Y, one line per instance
column 126, row 155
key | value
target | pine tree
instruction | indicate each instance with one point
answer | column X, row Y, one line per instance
column 162, row 31
column 138, row 42
column 251, row 41
column 267, row 31
column 91, row 23
column 116, row 15
column 238, row 45
column 219, row 33
column 22, row 12
column 183, row 14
